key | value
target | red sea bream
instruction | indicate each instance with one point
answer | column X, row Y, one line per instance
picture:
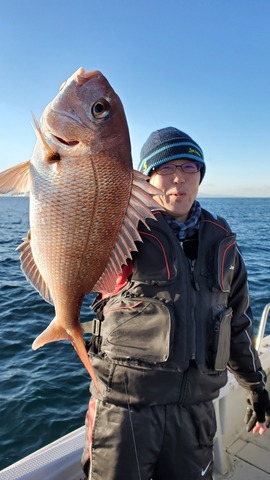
column 85, row 202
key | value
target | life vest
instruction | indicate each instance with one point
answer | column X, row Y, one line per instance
column 170, row 312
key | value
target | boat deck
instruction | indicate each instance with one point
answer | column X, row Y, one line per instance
column 240, row 455
column 249, row 456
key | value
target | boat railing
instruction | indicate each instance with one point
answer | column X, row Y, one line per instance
column 262, row 327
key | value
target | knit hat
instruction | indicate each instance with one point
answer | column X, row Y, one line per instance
column 168, row 144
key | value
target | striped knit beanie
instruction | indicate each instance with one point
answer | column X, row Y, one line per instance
column 168, row 144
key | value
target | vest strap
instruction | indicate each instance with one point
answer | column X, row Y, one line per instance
column 94, row 327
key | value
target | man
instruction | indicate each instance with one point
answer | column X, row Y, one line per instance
column 166, row 339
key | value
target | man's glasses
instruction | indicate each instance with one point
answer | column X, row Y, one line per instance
column 169, row 168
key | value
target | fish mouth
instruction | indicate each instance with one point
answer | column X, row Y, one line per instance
column 71, row 143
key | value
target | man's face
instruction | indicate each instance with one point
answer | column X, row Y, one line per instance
column 179, row 190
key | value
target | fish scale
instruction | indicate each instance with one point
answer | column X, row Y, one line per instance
column 86, row 201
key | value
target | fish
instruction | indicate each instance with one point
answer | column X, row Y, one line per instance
column 86, row 201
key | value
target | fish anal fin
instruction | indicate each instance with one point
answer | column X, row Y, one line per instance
column 139, row 209
column 31, row 271
column 16, row 180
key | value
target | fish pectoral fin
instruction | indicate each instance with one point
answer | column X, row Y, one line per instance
column 52, row 333
column 31, row 271
column 139, row 209
column 16, row 180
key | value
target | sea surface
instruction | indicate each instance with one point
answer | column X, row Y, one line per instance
column 44, row 394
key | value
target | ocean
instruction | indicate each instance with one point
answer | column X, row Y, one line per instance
column 44, row 394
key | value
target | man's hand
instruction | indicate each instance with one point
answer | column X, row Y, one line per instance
column 257, row 416
column 260, row 428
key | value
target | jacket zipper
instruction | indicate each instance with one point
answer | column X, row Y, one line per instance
column 193, row 307
column 194, row 283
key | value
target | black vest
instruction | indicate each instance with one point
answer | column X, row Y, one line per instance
column 173, row 313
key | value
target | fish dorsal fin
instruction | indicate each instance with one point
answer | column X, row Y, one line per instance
column 139, row 209
column 31, row 271
column 16, row 180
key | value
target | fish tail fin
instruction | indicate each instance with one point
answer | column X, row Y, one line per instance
column 77, row 340
column 55, row 332
column 52, row 333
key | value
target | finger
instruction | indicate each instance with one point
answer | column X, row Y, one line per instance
column 259, row 428
column 252, row 422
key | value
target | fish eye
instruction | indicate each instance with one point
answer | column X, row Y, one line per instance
column 101, row 108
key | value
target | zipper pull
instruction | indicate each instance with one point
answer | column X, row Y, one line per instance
column 195, row 284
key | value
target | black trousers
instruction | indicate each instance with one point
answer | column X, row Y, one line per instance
column 165, row 442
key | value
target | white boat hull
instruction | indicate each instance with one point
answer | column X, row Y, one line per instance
column 59, row 460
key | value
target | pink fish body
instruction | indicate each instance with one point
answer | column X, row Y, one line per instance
column 85, row 202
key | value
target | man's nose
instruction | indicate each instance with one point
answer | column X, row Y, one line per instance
column 178, row 176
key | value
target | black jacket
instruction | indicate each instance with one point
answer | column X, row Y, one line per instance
column 170, row 333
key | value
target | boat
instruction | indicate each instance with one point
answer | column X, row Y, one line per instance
column 238, row 455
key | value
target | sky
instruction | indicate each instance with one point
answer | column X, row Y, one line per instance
column 202, row 66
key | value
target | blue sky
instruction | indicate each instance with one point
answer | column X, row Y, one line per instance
column 202, row 66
